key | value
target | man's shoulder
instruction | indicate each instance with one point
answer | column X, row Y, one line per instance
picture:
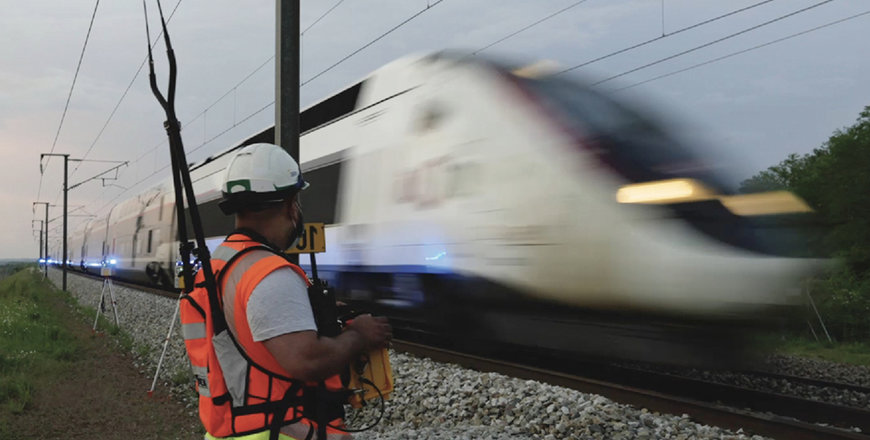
column 282, row 277
column 260, row 252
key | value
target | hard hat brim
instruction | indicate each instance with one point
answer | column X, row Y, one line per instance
column 233, row 202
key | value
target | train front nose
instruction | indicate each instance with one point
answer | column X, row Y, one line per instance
column 704, row 261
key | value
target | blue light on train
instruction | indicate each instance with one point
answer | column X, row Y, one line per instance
column 113, row 261
column 41, row 260
column 437, row 257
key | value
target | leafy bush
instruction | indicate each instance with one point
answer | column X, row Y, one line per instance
column 835, row 180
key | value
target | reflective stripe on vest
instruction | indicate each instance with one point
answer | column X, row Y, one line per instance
column 265, row 380
column 232, row 362
column 238, row 283
column 224, row 253
column 246, row 380
column 195, row 330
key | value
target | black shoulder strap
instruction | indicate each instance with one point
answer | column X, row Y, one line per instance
column 322, row 405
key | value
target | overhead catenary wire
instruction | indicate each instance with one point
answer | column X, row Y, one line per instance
column 235, row 124
column 529, row 26
column 708, row 44
column 121, row 99
column 127, row 90
column 322, row 16
column 739, row 52
column 663, row 36
column 69, row 95
column 237, row 85
column 158, row 171
column 365, row 46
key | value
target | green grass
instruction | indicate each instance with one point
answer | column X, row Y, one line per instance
column 855, row 353
column 33, row 343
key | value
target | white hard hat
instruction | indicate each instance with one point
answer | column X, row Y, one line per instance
column 260, row 174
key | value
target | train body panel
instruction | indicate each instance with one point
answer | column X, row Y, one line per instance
column 450, row 186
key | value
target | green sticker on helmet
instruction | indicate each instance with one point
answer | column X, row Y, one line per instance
column 234, row 186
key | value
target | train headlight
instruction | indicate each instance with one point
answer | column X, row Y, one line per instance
column 113, row 262
column 766, row 203
column 664, row 191
column 690, row 190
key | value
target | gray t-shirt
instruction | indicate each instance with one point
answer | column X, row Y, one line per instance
column 279, row 305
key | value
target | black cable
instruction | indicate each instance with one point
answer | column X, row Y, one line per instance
column 394, row 28
column 191, row 151
column 235, row 87
column 778, row 40
column 124, row 95
column 229, row 91
column 321, row 17
column 236, row 124
column 69, row 96
column 652, row 40
column 381, row 405
column 749, row 29
column 565, row 9
column 304, row 83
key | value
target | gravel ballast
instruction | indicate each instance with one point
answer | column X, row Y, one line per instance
column 819, row 369
column 828, row 394
column 431, row 400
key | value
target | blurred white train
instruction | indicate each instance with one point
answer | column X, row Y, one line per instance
column 467, row 197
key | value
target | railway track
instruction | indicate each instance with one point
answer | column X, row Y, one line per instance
column 769, row 414
column 704, row 402
column 808, row 381
column 169, row 293
column 741, row 397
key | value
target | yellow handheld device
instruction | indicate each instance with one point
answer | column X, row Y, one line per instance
column 370, row 377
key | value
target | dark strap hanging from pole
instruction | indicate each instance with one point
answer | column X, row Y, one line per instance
column 181, row 180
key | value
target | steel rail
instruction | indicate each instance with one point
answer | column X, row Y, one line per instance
column 806, row 380
column 704, row 412
column 655, row 391
column 782, row 404
column 160, row 291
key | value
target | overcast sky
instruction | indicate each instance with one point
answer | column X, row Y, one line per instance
column 753, row 108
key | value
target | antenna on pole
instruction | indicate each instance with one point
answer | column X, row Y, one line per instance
column 183, row 189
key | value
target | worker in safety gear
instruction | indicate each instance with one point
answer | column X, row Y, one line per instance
column 271, row 354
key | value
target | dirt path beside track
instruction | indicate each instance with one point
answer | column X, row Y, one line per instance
column 100, row 396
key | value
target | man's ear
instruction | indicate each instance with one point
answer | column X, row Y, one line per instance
column 293, row 208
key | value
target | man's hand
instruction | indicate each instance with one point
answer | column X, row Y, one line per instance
column 306, row 356
column 376, row 332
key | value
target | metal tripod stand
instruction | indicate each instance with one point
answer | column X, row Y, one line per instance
column 106, row 272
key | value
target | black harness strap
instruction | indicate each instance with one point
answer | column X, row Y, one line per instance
column 318, row 403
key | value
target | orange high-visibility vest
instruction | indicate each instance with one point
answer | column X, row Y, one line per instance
column 242, row 388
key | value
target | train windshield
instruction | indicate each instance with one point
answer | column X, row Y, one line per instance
column 632, row 145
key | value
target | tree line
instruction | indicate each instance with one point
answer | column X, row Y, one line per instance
column 835, row 181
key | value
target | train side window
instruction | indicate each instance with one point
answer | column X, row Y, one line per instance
column 461, row 179
column 320, row 199
column 331, row 109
